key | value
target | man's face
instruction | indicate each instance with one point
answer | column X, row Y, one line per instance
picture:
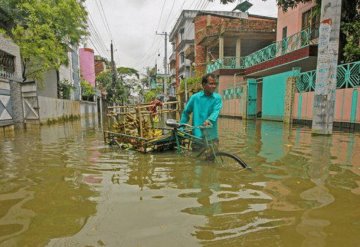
column 210, row 87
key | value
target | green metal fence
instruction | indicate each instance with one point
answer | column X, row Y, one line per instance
column 232, row 93
column 347, row 76
column 287, row 45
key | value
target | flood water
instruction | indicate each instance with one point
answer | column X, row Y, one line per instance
column 61, row 185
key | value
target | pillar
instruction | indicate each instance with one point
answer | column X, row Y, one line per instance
column 221, row 48
column 238, row 52
column 325, row 87
column 289, row 99
column 17, row 104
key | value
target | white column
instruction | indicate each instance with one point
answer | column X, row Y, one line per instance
column 221, row 47
column 238, row 52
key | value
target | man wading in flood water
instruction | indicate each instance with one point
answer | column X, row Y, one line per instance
column 205, row 107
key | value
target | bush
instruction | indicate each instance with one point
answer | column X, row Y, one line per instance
column 87, row 91
column 65, row 89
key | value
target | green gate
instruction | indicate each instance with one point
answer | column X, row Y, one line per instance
column 252, row 96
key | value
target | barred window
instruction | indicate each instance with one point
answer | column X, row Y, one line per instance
column 7, row 62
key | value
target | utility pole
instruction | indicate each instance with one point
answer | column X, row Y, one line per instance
column 328, row 49
column 165, row 62
column 113, row 70
column 165, row 57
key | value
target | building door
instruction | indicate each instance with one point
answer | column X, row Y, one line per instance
column 252, row 96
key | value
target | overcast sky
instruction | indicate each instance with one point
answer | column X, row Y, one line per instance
column 132, row 26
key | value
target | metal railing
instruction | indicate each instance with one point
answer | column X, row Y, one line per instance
column 285, row 46
column 6, row 75
column 232, row 93
column 347, row 76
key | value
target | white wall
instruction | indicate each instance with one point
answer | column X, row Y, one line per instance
column 54, row 109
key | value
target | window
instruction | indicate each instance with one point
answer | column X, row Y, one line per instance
column 181, row 34
column 284, row 43
column 7, row 62
column 284, row 32
column 182, row 58
column 311, row 20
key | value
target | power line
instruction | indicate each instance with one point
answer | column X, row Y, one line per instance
column 95, row 41
column 172, row 7
column 103, row 18
column 162, row 9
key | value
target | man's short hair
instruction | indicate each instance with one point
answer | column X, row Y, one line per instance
column 205, row 78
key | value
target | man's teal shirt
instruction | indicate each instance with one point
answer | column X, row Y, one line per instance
column 203, row 108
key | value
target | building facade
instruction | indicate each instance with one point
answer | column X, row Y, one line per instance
column 11, row 111
column 87, row 65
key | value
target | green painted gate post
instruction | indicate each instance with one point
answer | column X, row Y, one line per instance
column 354, row 103
column 289, row 99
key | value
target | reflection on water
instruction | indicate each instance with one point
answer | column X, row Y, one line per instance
column 61, row 186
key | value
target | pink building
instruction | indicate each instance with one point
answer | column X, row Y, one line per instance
column 87, row 65
column 294, row 20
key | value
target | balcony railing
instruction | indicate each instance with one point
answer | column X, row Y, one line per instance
column 5, row 74
column 347, row 76
column 285, row 46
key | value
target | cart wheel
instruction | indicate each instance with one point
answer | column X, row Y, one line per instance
column 230, row 159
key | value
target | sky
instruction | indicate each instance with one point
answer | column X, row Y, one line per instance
column 134, row 27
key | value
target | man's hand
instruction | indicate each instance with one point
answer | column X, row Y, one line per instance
column 207, row 123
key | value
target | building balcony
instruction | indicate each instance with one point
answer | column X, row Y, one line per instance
column 172, row 72
column 172, row 57
column 292, row 48
column 183, row 43
column 190, row 53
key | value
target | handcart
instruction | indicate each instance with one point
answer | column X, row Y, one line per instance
column 137, row 127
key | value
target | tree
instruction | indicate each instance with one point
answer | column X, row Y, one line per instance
column 127, row 80
column 43, row 30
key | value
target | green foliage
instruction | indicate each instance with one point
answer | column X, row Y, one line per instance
column 65, row 89
column 117, row 92
column 352, row 46
column 124, row 71
column 43, row 30
column 150, row 95
column 87, row 91
column 193, row 84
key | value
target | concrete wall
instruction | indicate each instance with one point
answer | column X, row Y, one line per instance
column 347, row 105
column 48, row 87
column 55, row 109
column 88, row 108
column 236, row 106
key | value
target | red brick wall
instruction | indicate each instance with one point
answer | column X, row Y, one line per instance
column 219, row 26
column 99, row 67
